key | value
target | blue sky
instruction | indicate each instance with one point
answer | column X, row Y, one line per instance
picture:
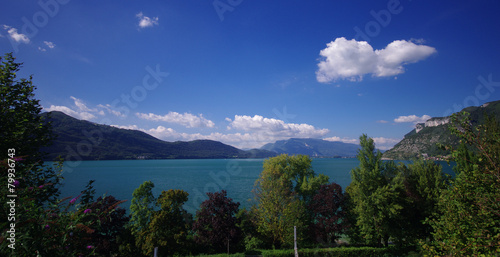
column 251, row 72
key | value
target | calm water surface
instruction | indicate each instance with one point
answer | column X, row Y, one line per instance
column 237, row 177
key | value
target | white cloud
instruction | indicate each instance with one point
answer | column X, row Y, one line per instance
column 412, row 118
column 187, row 119
column 257, row 132
column 381, row 143
column 382, row 121
column 351, row 59
column 129, row 127
column 15, row 35
column 145, row 21
column 70, row 112
column 49, row 44
column 79, row 111
column 276, row 127
column 343, row 140
column 384, row 143
column 42, row 49
column 111, row 110
column 385, row 140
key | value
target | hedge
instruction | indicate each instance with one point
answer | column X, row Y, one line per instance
column 334, row 252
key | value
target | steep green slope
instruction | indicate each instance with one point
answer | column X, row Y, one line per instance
column 84, row 140
column 425, row 141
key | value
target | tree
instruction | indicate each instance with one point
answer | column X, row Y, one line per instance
column 215, row 226
column 142, row 208
column 327, row 206
column 469, row 223
column 23, row 132
column 283, row 190
column 169, row 226
column 21, row 126
column 373, row 194
column 110, row 224
column 423, row 183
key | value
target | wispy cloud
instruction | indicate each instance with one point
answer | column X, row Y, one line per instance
column 343, row 140
column 145, row 21
column 412, row 119
column 79, row 110
column 14, row 35
column 382, row 143
column 49, row 44
column 186, row 119
column 351, row 59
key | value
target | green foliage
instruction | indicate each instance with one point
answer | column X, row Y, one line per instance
column 374, row 195
column 63, row 228
column 142, row 208
column 423, row 183
column 283, row 189
column 389, row 201
column 334, row 252
column 429, row 138
column 21, row 126
column 169, row 226
column 470, row 219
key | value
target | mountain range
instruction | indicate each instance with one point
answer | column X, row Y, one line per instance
column 312, row 147
column 84, row 140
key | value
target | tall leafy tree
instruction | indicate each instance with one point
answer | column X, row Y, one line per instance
column 142, row 208
column 423, row 183
column 469, row 224
column 373, row 194
column 216, row 224
column 21, row 126
column 23, row 132
column 169, row 226
column 283, row 190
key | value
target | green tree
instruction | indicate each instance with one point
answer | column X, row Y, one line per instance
column 283, row 190
column 373, row 195
column 142, row 208
column 169, row 226
column 423, row 183
column 21, row 126
column 23, row 132
column 469, row 223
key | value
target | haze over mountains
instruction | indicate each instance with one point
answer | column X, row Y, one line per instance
column 83, row 140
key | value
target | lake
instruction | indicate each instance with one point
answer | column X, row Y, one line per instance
column 236, row 176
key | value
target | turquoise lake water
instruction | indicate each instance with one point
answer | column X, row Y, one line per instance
column 236, row 176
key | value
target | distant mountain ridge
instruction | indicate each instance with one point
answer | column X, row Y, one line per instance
column 83, row 140
column 423, row 140
column 312, row 147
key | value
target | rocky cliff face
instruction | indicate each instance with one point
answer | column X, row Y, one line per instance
column 424, row 139
column 434, row 122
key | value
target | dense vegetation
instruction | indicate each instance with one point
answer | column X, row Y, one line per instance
column 388, row 209
column 426, row 142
